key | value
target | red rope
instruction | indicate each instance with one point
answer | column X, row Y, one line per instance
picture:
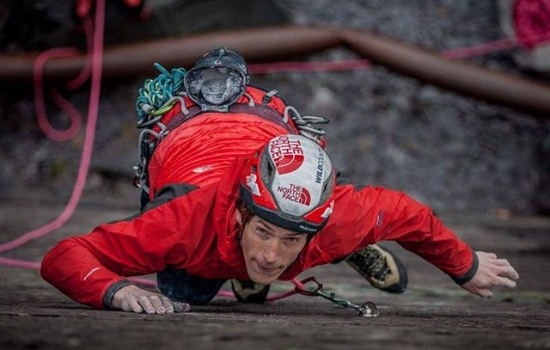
column 481, row 49
column 96, row 60
column 41, row 114
column 531, row 20
column 75, row 119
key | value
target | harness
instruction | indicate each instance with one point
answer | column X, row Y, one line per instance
column 163, row 106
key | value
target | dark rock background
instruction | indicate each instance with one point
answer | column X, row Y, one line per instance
column 451, row 152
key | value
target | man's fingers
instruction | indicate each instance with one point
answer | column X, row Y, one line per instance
column 137, row 300
column 180, row 307
column 510, row 273
column 131, row 305
column 162, row 305
column 491, row 272
column 505, row 282
column 502, row 268
column 134, row 299
column 502, row 262
column 146, row 304
column 485, row 293
column 487, row 255
column 167, row 303
column 157, row 304
column 506, row 270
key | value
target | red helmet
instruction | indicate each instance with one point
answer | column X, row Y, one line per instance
column 290, row 182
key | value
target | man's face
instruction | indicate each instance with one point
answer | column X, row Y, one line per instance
column 268, row 249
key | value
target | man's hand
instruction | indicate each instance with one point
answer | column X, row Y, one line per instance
column 134, row 299
column 491, row 272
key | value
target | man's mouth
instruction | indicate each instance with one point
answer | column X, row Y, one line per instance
column 266, row 270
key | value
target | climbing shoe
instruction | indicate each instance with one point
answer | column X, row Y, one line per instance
column 380, row 267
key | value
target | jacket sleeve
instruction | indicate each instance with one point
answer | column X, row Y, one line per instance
column 368, row 215
column 91, row 268
column 73, row 269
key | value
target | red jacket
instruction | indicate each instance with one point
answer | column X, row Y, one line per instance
column 192, row 225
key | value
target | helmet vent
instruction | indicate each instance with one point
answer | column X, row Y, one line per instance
column 270, row 170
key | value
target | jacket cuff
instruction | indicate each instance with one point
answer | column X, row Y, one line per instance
column 471, row 272
column 115, row 287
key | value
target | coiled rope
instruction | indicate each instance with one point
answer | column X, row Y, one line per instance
column 156, row 95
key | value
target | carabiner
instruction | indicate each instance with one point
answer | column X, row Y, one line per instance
column 367, row 309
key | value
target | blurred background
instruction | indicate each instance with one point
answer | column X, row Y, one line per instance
column 452, row 152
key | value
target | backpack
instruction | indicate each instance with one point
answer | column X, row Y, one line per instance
column 163, row 105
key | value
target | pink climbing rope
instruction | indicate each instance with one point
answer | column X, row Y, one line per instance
column 96, row 67
column 531, row 20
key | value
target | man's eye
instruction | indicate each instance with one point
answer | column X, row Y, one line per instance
column 262, row 233
column 294, row 239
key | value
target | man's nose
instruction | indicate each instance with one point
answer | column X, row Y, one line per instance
column 271, row 252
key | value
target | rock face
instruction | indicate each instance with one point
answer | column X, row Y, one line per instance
column 451, row 152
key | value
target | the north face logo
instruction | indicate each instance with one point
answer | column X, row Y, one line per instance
column 296, row 194
column 288, row 155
